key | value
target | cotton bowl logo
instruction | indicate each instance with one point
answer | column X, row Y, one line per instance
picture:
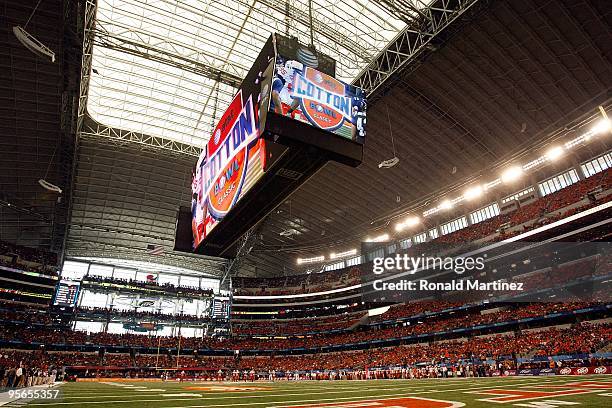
column 224, row 171
column 226, row 189
column 322, row 98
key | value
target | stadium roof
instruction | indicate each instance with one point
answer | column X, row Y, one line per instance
column 35, row 116
column 169, row 68
column 460, row 101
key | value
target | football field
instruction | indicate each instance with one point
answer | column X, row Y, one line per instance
column 561, row 391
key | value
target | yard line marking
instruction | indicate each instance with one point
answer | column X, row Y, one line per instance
column 180, row 394
column 518, row 382
column 414, row 385
column 244, row 395
column 502, row 396
column 379, row 403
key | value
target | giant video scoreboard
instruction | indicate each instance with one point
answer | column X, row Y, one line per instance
column 289, row 117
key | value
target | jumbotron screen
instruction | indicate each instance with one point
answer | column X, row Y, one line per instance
column 233, row 161
column 289, row 82
column 306, row 94
column 234, row 157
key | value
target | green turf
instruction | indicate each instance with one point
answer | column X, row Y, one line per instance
column 283, row 393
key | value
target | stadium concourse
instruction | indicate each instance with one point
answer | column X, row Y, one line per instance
column 208, row 203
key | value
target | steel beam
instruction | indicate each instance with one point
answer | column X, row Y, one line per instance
column 91, row 128
column 416, row 39
column 336, row 37
column 164, row 51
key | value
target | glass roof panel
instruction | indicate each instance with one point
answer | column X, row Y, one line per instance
column 156, row 62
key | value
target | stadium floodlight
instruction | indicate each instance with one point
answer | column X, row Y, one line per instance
column 338, row 255
column 473, row 192
column 603, row 126
column 412, row 221
column 512, row 174
column 408, row 222
column 554, row 153
column 314, row 259
column 380, row 238
column 445, row 205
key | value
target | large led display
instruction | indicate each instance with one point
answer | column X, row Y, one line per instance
column 232, row 163
column 289, row 116
column 235, row 155
column 303, row 93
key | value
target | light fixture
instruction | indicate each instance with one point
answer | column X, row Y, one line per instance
column 49, row 186
column 511, row 174
column 445, row 205
column 380, row 238
column 473, row 192
column 412, row 221
column 387, row 164
column 315, row 259
column 603, row 126
column 408, row 222
column 350, row 252
column 554, row 153
column 31, row 42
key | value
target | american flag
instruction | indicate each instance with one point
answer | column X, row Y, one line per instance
column 153, row 249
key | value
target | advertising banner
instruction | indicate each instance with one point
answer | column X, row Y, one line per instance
column 527, row 372
column 547, row 371
column 585, row 370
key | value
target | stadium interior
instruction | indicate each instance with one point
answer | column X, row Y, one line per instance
column 489, row 133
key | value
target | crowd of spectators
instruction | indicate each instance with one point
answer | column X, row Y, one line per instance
column 19, row 369
column 588, row 338
column 287, row 327
column 28, row 259
column 468, row 319
column 413, row 309
column 144, row 315
column 494, row 349
column 306, row 283
column 150, row 284
column 568, row 272
column 16, row 313
column 539, row 212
